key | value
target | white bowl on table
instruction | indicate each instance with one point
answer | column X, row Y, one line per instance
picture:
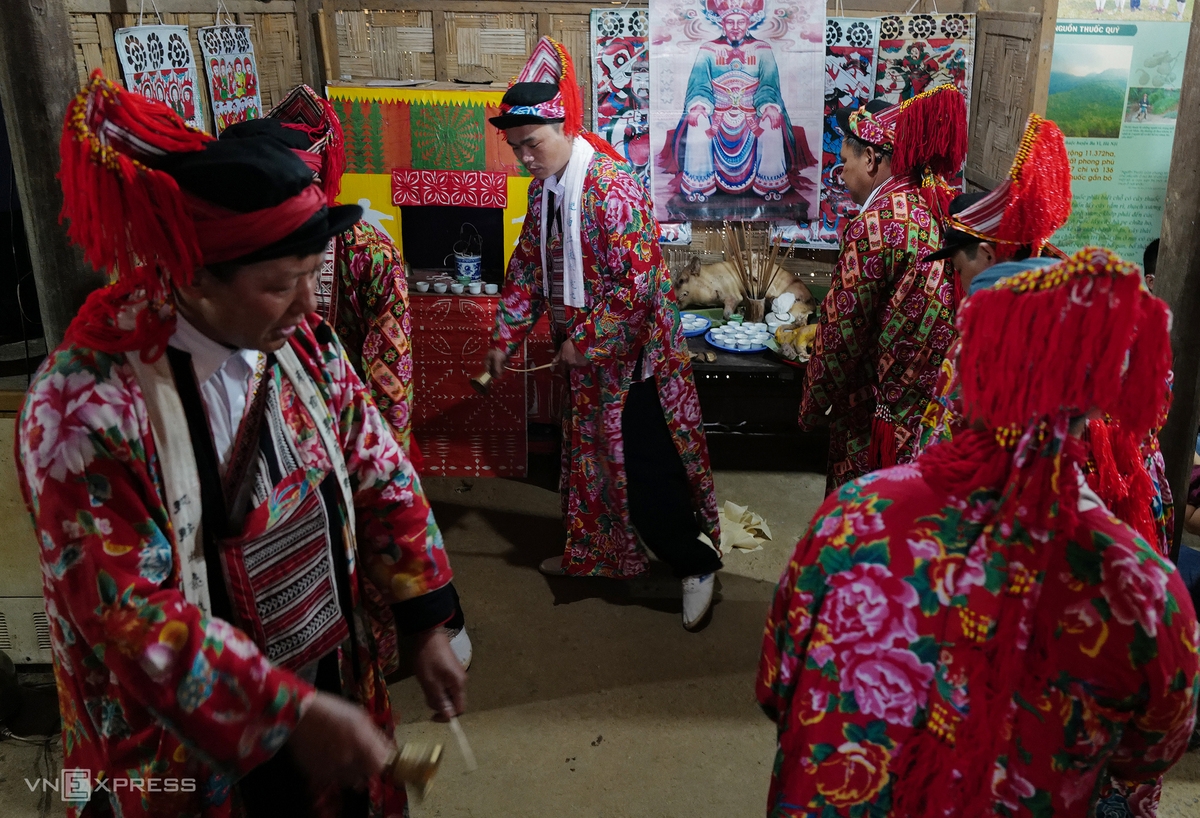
column 491, row 289
column 457, row 288
column 422, row 286
column 439, row 286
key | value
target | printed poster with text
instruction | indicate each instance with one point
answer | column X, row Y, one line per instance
column 1114, row 91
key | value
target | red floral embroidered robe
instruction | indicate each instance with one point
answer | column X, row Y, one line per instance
column 630, row 308
column 886, row 324
column 150, row 688
column 1107, row 700
column 369, row 311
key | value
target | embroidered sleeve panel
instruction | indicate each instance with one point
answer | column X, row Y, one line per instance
column 373, row 269
column 399, row 543
column 849, row 320
column 521, row 299
column 620, row 239
column 111, row 580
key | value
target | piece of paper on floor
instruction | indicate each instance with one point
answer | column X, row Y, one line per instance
column 742, row 528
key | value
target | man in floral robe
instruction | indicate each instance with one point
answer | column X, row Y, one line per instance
column 214, row 489
column 975, row 634
column 362, row 288
column 634, row 453
column 888, row 320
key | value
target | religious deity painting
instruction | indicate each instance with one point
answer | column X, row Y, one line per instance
column 735, row 121
column 850, row 44
column 621, row 66
column 157, row 62
column 921, row 51
column 232, row 74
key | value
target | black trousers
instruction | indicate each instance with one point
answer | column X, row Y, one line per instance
column 660, row 496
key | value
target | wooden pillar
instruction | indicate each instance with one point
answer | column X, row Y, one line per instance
column 1178, row 281
column 308, row 12
column 37, row 79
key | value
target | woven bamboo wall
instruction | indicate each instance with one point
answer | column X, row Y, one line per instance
column 412, row 44
column 276, row 46
column 386, row 44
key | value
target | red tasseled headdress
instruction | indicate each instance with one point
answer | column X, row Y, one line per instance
column 1088, row 336
column 931, row 142
column 303, row 109
column 132, row 221
column 1034, row 201
column 550, row 63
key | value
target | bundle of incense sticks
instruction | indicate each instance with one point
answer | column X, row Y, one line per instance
column 753, row 255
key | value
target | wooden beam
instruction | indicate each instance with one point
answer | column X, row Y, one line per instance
column 331, row 60
column 441, row 45
column 310, row 48
column 476, row 6
column 179, row 7
column 1040, row 87
column 1177, row 281
column 37, row 79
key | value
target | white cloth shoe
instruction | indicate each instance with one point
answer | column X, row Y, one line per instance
column 460, row 643
column 697, row 599
column 552, row 567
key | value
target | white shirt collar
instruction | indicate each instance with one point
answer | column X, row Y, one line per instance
column 208, row 356
column 557, row 188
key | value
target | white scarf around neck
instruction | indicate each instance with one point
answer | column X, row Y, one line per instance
column 572, row 205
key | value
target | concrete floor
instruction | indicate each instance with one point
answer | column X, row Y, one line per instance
column 587, row 698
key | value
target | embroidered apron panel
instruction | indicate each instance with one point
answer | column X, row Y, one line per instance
column 280, row 570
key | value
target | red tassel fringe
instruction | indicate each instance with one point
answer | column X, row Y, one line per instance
column 333, row 160
column 572, row 97
column 1108, row 483
column 931, row 132
column 603, row 146
column 1040, row 197
column 1073, row 350
column 121, row 212
column 882, row 451
column 130, row 219
column 933, row 778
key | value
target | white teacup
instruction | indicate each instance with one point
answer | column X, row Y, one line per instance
column 440, row 286
column 422, row 286
column 476, row 287
column 491, row 289
column 457, row 288
column 745, row 343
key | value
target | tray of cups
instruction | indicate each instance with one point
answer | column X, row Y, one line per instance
column 456, row 288
column 694, row 325
column 739, row 338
